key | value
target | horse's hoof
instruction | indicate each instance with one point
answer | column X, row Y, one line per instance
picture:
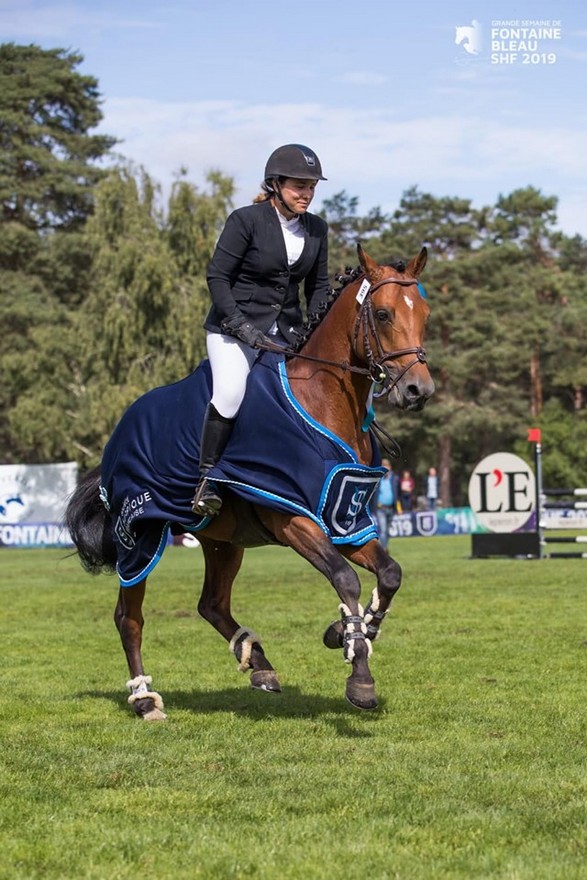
column 265, row 680
column 154, row 715
column 332, row 638
column 147, row 710
column 361, row 696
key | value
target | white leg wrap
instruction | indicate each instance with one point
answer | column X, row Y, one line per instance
column 371, row 612
column 246, row 646
column 373, row 605
column 139, row 688
column 351, row 634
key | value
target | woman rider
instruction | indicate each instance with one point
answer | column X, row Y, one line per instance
column 264, row 251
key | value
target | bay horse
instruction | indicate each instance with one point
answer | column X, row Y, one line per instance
column 371, row 336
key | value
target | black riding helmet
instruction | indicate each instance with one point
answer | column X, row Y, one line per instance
column 294, row 160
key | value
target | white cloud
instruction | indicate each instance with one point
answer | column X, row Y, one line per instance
column 29, row 21
column 370, row 153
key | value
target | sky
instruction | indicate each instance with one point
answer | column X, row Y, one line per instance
column 380, row 89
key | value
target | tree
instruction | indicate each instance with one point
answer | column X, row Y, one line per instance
column 140, row 324
column 47, row 174
column 47, row 156
column 526, row 217
column 448, row 226
column 346, row 229
column 194, row 221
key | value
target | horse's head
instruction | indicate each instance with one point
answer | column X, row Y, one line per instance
column 389, row 332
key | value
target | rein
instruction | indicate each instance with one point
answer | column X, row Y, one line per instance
column 376, row 371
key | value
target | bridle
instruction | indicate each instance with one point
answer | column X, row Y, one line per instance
column 376, row 370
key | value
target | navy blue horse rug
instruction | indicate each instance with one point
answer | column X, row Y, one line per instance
column 278, row 456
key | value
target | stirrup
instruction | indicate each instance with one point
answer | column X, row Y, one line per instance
column 207, row 501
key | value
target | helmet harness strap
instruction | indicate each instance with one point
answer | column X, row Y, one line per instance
column 277, row 190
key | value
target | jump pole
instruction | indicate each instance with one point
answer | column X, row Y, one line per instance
column 535, row 437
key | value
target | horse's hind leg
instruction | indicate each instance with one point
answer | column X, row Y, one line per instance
column 128, row 617
column 222, row 563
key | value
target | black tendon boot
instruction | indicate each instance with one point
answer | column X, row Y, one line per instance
column 215, row 433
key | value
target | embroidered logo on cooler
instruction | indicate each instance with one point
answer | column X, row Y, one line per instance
column 348, row 493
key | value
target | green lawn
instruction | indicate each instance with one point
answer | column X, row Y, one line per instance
column 474, row 766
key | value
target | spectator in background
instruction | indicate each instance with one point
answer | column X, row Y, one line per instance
column 407, row 484
column 431, row 489
column 387, row 493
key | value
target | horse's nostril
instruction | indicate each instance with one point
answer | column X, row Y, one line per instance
column 413, row 392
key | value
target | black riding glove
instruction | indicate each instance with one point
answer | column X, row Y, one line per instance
column 245, row 331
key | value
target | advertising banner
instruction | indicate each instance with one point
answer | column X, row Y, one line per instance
column 443, row 521
column 32, row 504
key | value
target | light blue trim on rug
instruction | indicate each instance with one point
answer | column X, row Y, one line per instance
column 308, row 418
column 152, row 563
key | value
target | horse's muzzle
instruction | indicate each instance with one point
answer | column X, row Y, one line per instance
column 411, row 395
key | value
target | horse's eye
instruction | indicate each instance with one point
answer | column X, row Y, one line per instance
column 383, row 316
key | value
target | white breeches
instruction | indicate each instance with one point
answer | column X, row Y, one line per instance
column 231, row 361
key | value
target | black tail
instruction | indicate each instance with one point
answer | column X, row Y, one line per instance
column 90, row 526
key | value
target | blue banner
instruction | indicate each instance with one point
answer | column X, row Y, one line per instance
column 443, row 521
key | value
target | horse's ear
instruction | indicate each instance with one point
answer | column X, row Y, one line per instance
column 416, row 265
column 373, row 272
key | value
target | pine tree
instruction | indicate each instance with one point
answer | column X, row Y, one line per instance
column 47, row 155
column 47, row 174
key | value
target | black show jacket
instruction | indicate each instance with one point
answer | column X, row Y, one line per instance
column 249, row 275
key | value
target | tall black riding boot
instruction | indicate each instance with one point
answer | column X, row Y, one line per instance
column 215, row 433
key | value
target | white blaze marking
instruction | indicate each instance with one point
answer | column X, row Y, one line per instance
column 409, row 302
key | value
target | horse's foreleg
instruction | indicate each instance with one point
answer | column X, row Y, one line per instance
column 223, row 562
column 374, row 558
column 128, row 617
column 307, row 539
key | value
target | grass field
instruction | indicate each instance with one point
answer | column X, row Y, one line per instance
column 474, row 766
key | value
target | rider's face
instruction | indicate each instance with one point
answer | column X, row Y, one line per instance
column 298, row 193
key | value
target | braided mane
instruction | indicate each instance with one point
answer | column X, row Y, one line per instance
column 344, row 279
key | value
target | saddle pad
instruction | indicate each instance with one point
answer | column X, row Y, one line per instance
column 278, row 456
column 281, row 457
